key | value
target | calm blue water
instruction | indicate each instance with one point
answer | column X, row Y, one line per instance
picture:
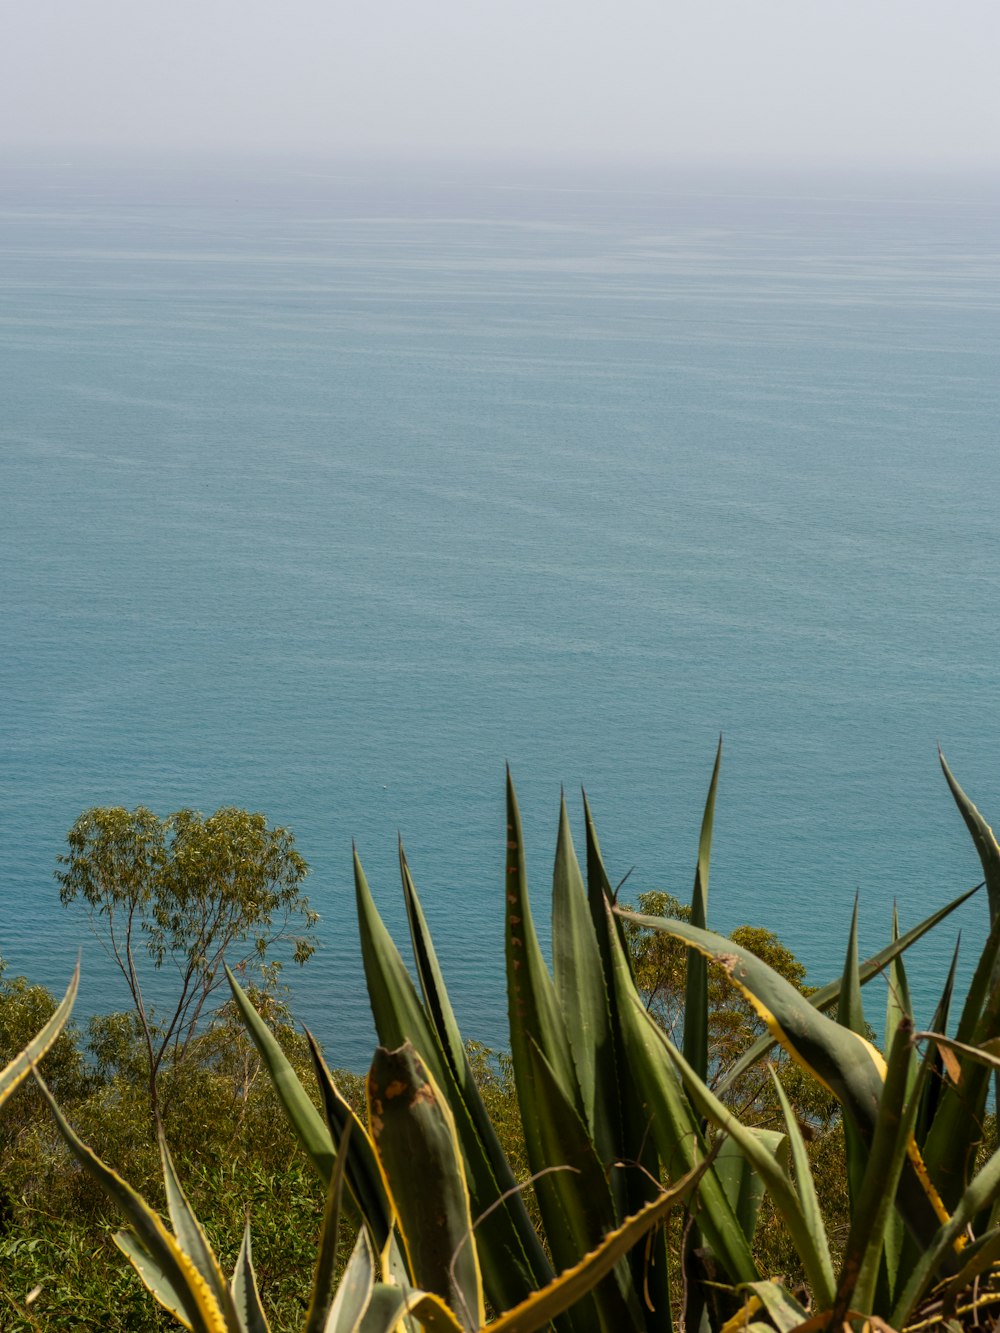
column 327, row 488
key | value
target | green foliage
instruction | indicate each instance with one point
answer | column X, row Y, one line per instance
column 191, row 891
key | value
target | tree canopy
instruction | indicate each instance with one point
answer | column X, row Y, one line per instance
column 193, row 892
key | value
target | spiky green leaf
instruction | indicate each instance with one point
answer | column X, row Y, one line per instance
column 414, row 1134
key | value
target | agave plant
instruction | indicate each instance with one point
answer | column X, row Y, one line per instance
column 611, row 1110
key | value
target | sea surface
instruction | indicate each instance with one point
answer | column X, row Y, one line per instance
column 330, row 486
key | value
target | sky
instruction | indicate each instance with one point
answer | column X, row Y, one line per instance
column 854, row 81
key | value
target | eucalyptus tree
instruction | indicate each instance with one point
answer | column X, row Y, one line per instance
column 188, row 895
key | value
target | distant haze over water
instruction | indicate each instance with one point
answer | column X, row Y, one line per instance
column 330, row 486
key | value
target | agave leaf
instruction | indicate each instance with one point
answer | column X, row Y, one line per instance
column 989, row 857
column 932, row 1082
column 436, row 1000
column 600, row 895
column 303, row 1117
column 828, row 995
column 573, row 1284
column 841, row 1060
column 979, row 1257
column 531, row 997
column 536, row 1024
column 983, row 1190
column 421, row 1159
column 804, row 1183
column 850, row 1010
column 583, row 998
column 184, row 1283
column 957, row 1123
column 354, row 1291
column 812, row 1250
column 987, row 1054
column 981, row 989
column 513, row 1260
column 850, row 1014
column 151, row 1274
column 246, row 1298
column 575, row 1200
column 875, row 1198
column 845, row 1063
column 627, row 1118
column 20, row 1066
column 324, row 1278
column 898, row 1005
column 189, row 1233
column 671, row 1122
column 392, row 1309
column 982, row 836
column 899, row 1008
column 744, row 1187
column 785, row 1311
column 398, row 1013
column 696, row 990
column 361, row 1168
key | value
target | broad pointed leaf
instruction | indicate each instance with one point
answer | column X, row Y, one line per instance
column 302, row 1115
column 696, row 989
column 324, row 1277
column 246, row 1297
column 828, row 995
column 583, row 998
column 421, row 1159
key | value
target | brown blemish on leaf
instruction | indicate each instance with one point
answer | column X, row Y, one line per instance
column 395, row 1089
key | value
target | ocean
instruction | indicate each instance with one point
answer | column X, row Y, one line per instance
column 331, row 486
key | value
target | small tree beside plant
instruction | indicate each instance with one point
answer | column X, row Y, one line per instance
column 194, row 892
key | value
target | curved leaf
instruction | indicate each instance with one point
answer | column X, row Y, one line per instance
column 184, row 1284
column 982, row 836
column 568, row 1288
column 828, row 995
column 20, row 1066
column 361, row 1167
column 841, row 1060
column 302, row 1115
column 354, row 1292
column 246, row 1297
column 324, row 1278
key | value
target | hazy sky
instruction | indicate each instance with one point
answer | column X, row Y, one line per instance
column 861, row 80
